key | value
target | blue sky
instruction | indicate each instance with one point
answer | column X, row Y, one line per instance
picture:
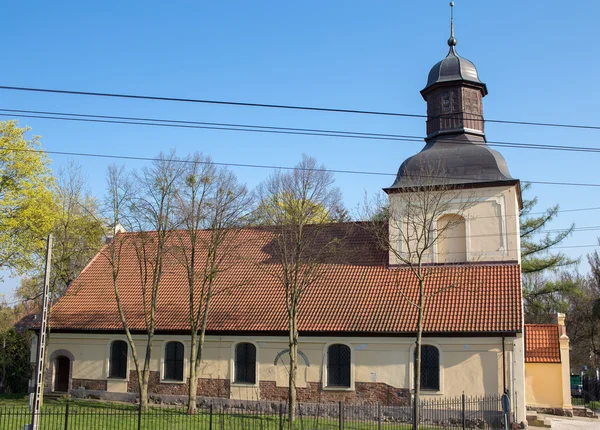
column 539, row 60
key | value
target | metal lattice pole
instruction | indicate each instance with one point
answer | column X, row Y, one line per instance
column 41, row 345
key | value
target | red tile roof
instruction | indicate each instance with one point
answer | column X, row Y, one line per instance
column 355, row 293
column 542, row 343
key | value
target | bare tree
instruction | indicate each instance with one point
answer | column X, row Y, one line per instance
column 412, row 226
column 144, row 204
column 212, row 207
column 299, row 204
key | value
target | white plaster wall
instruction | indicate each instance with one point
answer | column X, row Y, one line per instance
column 492, row 223
column 472, row 365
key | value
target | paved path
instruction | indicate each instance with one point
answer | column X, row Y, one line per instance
column 575, row 423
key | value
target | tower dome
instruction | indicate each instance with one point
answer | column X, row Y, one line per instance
column 453, row 68
column 455, row 151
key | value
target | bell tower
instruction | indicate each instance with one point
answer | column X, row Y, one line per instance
column 459, row 170
column 454, row 94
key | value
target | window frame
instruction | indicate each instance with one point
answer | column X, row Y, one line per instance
column 110, row 360
column 411, row 369
column 163, row 363
column 430, row 348
column 326, row 385
column 233, row 380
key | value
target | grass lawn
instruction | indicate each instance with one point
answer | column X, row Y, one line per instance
column 97, row 415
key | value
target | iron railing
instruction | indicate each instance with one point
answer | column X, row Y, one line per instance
column 449, row 413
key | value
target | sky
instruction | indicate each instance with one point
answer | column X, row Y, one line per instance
column 538, row 58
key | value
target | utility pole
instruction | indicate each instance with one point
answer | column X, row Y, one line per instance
column 41, row 344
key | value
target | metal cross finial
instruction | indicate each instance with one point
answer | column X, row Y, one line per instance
column 452, row 41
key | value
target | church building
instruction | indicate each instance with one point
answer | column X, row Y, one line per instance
column 356, row 330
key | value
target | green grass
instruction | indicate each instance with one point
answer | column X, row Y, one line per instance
column 101, row 415
column 98, row 415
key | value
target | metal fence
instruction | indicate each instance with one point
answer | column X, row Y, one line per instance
column 590, row 394
column 455, row 413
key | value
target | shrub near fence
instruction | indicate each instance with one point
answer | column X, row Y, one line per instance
column 459, row 413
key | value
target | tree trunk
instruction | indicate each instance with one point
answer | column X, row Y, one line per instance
column 193, row 388
column 144, row 391
column 146, row 375
column 417, row 380
column 292, row 375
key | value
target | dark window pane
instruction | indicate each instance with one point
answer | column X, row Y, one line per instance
column 430, row 368
column 338, row 366
column 174, row 361
column 117, row 366
column 245, row 363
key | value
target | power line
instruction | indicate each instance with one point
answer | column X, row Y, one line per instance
column 158, row 122
column 277, row 106
column 270, row 167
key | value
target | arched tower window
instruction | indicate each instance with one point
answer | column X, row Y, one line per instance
column 245, row 363
column 174, row 361
column 117, row 366
column 338, row 365
column 452, row 239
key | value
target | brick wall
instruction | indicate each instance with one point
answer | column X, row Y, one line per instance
column 206, row 387
column 88, row 384
column 364, row 392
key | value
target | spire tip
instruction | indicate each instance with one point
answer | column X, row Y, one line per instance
column 452, row 41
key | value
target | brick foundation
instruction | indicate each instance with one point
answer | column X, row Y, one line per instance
column 206, row 387
column 364, row 392
column 88, row 384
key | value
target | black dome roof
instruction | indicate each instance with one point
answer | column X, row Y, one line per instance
column 457, row 160
column 453, row 68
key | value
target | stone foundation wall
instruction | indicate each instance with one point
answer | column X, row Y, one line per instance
column 562, row 412
column 88, row 384
column 206, row 387
column 364, row 392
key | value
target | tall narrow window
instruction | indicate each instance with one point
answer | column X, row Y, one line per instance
column 174, row 361
column 338, row 366
column 245, row 363
column 117, row 365
column 430, row 368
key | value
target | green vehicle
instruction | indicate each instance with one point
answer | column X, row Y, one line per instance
column 576, row 386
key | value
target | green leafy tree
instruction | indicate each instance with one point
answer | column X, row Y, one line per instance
column 536, row 250
column 26, row 198
column 543, row 295
column 78, row 233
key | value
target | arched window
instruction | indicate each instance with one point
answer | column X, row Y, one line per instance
column 174, row 361
column 430, row 368
column 117, row 365
column 452, row 239
column 338, row 366
column 245, row 363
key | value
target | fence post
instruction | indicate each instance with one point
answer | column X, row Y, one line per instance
column 280, row 416
column 140, row 415
column 211, row 416
column 67, row 416
column 378, row 416
column 464, row 415
column 341, row 415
